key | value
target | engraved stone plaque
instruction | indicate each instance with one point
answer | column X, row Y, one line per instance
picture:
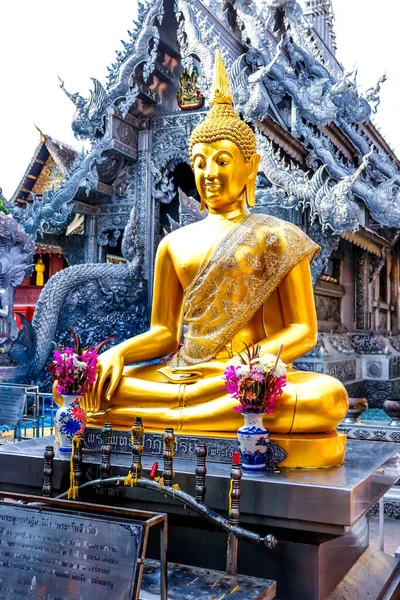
column 52, row 554
column 11, row 405
column 219, row 450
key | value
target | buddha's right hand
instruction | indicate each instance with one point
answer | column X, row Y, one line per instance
column 194, row 373
column 110, row 367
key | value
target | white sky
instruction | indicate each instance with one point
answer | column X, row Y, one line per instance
column 77, row 40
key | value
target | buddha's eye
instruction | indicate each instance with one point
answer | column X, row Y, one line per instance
column 200, row 164
column 223, row 160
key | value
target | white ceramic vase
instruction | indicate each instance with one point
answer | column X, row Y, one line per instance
column 69, row 420
column 253, row 440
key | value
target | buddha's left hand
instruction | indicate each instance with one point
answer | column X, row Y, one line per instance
column 110, row 368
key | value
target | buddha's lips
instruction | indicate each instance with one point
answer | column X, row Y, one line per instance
column 212, row 187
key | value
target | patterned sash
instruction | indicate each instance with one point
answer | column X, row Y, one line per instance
column 245, row 267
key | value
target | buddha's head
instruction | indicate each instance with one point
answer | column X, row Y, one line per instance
column 223, row 151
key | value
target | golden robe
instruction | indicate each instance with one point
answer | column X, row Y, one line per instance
column 247, row 264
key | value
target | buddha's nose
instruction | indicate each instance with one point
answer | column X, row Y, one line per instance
column 211, row 170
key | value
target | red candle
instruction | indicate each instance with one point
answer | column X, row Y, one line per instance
column 236, row 458
column 153, row 471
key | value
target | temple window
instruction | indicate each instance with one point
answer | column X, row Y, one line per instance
column 383, row 288
column 332, row 270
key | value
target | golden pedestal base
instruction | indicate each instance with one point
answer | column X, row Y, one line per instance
column 311, row 450
column 304, row 450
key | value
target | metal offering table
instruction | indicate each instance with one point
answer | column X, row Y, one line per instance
column 317, row 515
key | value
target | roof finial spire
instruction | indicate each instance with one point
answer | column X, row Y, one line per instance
column 42, row 136
column 322, row 17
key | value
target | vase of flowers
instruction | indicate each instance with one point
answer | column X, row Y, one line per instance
column 69, row 420
column 256, row 384
column 253, row 440
column 74, row 370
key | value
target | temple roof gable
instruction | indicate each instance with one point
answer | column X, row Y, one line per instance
column 50, row 163
column 285, row 81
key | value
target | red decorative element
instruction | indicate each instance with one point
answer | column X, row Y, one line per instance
column 196, row 103
column 153, row 471
column 236, row 458
column 188, row 96
column 27, row 311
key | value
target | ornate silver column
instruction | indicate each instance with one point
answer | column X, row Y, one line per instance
column 145, row 208
column 360, row 288
column 91, row 246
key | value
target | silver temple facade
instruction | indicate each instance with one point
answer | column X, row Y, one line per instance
column 325, row 166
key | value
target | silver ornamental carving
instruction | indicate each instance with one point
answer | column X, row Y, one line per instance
column 288, row 75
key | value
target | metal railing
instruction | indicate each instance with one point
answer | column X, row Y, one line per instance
column 38, row 412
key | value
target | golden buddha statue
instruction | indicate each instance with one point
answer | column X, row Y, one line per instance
column 233, row 277
column 40, row 268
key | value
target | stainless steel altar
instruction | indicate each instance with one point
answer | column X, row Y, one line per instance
column 318, row 516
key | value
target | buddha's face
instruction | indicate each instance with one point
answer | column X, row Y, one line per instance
column 221, row 173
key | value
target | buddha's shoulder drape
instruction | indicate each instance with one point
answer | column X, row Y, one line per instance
column 234, row 282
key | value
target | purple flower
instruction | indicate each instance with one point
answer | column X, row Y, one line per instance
column 232, row 380
column 75, row 369
column 257, row 376
column 58, row 359
column 232, row 389
column 256, row 390
column 230, row 373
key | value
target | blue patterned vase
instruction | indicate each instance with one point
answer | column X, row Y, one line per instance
column 253, row 440
column 69, row 420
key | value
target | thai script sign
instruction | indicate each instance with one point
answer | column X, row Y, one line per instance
column 50, row 554
column 11, row 405
column 218, row 450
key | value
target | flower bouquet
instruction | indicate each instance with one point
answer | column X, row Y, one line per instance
column 73, row 370
column 256, row 384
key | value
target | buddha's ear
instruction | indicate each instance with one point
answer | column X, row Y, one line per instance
column 251, row 179
column 253, row 165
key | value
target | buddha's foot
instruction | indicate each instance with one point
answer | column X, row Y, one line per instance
column 97, row 419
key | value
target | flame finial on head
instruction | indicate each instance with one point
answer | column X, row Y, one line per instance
column 221, row 92
column 222, row 122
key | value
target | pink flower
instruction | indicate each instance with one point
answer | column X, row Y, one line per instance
column 74, row 370
column 256, row 390
column 231, row 380
column 257, row 376
column 230, row 373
